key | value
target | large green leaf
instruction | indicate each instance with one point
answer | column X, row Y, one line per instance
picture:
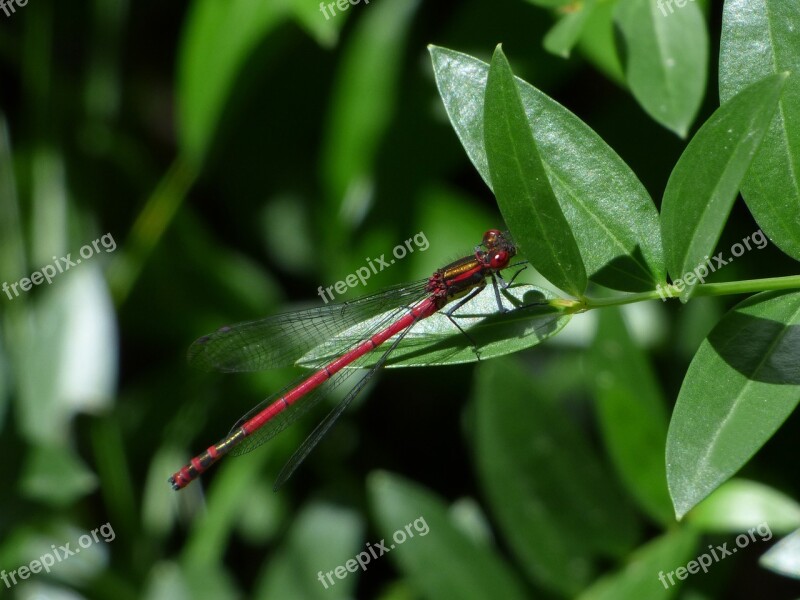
column 666, row 59
column 600, row 197
column 739, row 504
column 563, row 36
column 299, row 568
column 363, row 103
column 556, row 504
column 759, row 38
column 598, row 42
column 324, row 30
column 523, row 190
column 632, row 414
column 56, row 476
column 441, row 561
column 742, row 384
column 784, row 557
column 644, row 574
column 705, row 182
column 437, row 341
column 219, row 37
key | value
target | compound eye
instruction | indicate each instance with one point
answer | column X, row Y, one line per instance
column 499, row 259
column 490, row 237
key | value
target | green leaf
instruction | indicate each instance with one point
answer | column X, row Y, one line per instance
column 218, row 39
column 739, row 504
column 563, row 36
column 598, row 43
column 419, row 535
column 632, row 414
column 523, row 190
column 666, row 59
column 65, row 354
column 362, row 104
column 324, row 30
column 759, row 38
column 741, row 385
column 784, row 557
column 12, row 251
column 557, row 506
column 640, row 577
column 294, row 571
column 600, row 197
column 436, row 341
column 56, row 476
column 705, row 181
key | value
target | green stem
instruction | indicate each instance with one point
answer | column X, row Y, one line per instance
column 665, row 292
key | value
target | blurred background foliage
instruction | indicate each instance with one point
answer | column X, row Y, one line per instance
column 243, row 153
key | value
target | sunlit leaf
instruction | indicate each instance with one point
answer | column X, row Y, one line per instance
column 706, row 179
column 563, row 36
column 666, row 59
column 362, row 105
column 648, row 571
column 56, row 476
column 600, row 197
column 598, row 43
column 437, row 341
column 419, row 534
column 521, row 185
column 553, row 500
column 66, row 362
column 632, row 414
column 760, row 38
column 299, row 569
column 739, row 504
column 741, row 386
column 784, row 557
column 217, row 41
column 324, row 30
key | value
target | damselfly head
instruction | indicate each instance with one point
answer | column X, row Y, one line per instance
column 500, row 249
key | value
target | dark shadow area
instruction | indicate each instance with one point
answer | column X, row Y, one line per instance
column 760, row 349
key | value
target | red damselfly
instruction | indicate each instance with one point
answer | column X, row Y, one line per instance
column 282, row 339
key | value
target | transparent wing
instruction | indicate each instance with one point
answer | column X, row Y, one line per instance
column 302, row 405
column 319, row 432
column 279, row 340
